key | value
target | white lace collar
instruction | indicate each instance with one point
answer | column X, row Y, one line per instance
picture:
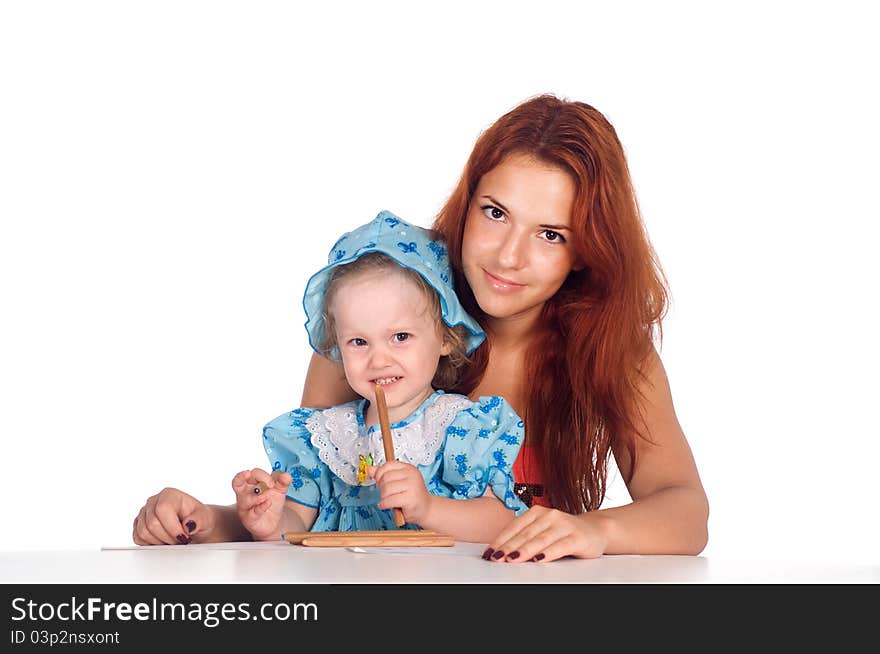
column 339, row 435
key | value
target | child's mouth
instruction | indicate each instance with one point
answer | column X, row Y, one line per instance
column 385, row 381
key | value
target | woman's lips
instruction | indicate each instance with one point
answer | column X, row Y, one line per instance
column 501, row 284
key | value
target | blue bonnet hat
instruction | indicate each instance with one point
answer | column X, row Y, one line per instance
column 412, row 247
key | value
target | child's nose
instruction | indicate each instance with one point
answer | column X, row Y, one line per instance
column 379, row 357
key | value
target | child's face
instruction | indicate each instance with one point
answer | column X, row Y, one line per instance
column 387, row 334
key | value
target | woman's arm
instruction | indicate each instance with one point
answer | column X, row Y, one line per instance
column 172, row 517
column 669, row 512
column 227, row 526
column 325, row 385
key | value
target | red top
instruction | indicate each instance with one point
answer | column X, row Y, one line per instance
column 527, row 470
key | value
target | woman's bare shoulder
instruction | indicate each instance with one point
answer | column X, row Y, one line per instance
column 653, row 382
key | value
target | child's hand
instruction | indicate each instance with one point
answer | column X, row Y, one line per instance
column 402, row 486
column 260, row 513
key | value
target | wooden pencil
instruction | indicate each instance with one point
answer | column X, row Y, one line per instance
column 387, row 443
column 261, row 487
column 297, row 537
column 390, row 539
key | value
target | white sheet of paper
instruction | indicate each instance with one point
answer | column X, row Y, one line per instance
column 459, row 549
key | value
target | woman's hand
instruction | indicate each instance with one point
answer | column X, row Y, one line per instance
column 172, row 517
column 542, row 534
column 401, row 486
column 261, row 513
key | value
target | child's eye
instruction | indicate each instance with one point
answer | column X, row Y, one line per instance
column 358, row 342
column 400, row 337
column 492, row 212
column 553, row 237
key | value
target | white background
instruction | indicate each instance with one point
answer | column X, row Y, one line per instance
column 172, row 172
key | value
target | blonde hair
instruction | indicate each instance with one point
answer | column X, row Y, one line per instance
column 450, row 367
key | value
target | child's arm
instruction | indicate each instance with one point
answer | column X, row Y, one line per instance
column 476, row 520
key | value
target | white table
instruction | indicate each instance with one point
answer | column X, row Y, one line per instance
column 280, row 562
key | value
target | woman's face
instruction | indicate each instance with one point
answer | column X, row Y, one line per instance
column 516, row 249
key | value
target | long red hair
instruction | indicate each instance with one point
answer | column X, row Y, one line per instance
column 584, row 362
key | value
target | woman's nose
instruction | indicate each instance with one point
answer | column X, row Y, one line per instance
column 511, row 253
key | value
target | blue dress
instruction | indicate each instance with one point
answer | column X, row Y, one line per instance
column 458, row 445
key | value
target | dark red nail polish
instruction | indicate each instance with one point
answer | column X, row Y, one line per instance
column 183, row 540
column 539, row 556
column 497, row 555
column 513, row 555
column 487, row 553
column 190, row 526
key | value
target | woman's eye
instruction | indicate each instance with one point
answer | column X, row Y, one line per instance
column 553, row 237
column 400, row 337
column 492, row 212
